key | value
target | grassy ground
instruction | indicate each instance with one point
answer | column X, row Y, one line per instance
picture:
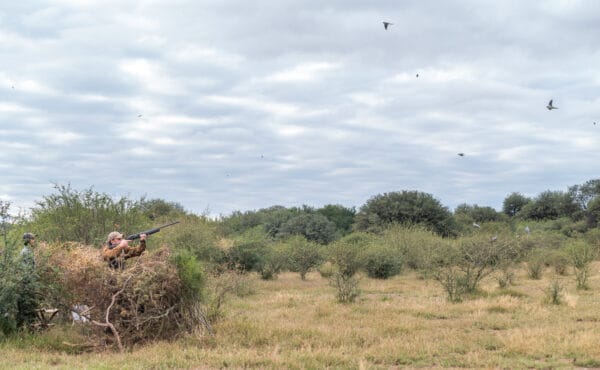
column 397, row 323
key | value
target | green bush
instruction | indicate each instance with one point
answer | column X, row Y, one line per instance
column 415, row 244
column 303, row 255
column 536, row 261
column 558, row 259
column 382, row 262
column 191, row 274
column 248, row 250
column 582, row 254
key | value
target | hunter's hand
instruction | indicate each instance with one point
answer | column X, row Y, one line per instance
column 142, row 236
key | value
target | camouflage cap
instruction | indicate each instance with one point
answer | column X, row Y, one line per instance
column 112, row 235
column 28, row 236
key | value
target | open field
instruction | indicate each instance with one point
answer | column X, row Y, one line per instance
column 397, row 323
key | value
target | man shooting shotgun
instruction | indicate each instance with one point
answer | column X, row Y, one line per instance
column 117, row 249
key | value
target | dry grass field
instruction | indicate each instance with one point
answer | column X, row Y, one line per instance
column 404, row 322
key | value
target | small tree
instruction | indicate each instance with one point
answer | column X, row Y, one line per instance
column 303, row 255
column 459, row 266
column 581, row 254
column 346, row 255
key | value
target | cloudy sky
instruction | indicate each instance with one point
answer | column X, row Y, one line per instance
column 224, row 105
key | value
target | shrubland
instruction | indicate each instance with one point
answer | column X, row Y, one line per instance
column 402, row 245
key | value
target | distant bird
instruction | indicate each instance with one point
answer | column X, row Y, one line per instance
column 494, row 238
column 461, row 154
column 476, row 225
column 550, row 106
column 417, row 75
column 527, row 230
column 594, row 123
column 139, row 116
column 387, row 24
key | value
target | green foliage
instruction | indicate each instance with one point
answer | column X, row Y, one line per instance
column 156, row 209
column 303, row 255
column 559, row 259
column 415, row 243
column 551, row 205
column 459, row 266
column 584, row 194
column 536, row 261
column 20, row 289
column 554, row 293
column 347, row 257
column 84, row 216
column 514, row 203
column 341, row 216
column 312, row 226
column 195, row 234
column 248, row 250
column 406, row 207
column 347, row 254
column 191, row 275
column 593, row 212
column 476, row 213
column 382, row 261
column 582, row 254
column 347, row 289
column 274, row 260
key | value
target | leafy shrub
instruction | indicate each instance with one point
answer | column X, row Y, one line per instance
column 326, row 269
column 536, row 261
column 191, row 274
column 382, row 262
column 558, row 259
column 581, row 254
column 415, row 244
column 303, row 255
column 347, row 255
column 554, row 293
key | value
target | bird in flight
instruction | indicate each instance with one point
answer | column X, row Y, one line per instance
column 476, row 225
column 387, row 24
column 550, row 106
column 139, row 116
column 461, row 154
column 417, row 75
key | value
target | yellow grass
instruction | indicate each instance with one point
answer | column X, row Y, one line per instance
column 397, row 323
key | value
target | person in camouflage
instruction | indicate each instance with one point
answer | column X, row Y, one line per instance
column 27, row 302
column 117, row 249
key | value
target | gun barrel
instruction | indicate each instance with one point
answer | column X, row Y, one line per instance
column 150, row 232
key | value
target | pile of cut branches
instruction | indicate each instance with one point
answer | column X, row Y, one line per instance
column 140, row 303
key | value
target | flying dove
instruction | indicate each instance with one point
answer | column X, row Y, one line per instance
column 461, row 154
column 386, row 24
column 476, row 225
column 550, row 106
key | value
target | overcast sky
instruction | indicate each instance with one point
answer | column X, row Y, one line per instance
column 224, row 105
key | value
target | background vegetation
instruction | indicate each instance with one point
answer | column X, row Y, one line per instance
column 472, row 253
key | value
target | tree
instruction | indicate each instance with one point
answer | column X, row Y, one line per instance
column 550, row 205
column 514, row 203
column 86, row 216
column 313, row 226
column 159, row 208
column 477, row 213
column 342, row 217
column 303, row 255
column 405, row 207
column 583, row 194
